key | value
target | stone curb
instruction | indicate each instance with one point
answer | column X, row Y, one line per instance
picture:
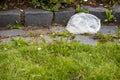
column 116, row 12
column 63, row 15
column 38, row 17
column 100, row 12
column 9, row 17
column 12, row 33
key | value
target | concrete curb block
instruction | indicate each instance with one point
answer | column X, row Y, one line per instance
column 9, row 17
column 38, row 17
column 98, row 11
column 63, row 15
column 11, row 33
column 116, row 12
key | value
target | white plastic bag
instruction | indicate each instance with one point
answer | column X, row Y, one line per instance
column 81, row 23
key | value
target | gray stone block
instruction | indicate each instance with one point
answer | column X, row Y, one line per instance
column 97, row 11
column 9, row 17
column 108, row 29
column 116, row 12
column 63, row 15
column 38, row 17
column 85, row 39
column 11, row 33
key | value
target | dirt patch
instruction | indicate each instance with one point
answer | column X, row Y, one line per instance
column 36, row 31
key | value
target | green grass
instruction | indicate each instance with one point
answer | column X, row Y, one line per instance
column 15, row 26
column 59, row 61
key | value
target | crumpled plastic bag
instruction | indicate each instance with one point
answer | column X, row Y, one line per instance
column 81, row 23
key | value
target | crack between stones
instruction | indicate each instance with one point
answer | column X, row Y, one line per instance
column 22, row 17
column 53, row 19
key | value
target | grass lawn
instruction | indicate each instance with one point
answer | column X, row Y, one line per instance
column 59, row 60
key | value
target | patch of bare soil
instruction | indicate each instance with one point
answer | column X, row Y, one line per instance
column 36, row 31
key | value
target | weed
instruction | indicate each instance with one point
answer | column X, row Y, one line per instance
column 19, row 42
column 108, row 37
column 78, row 9
column 113, row 2
column 31, row 34
column 63, row 33
column 83, row 1
column 17, row 26
column 53, row 5
column 118, row 32
column 4, row 6
column 110, row 16
column 103, row 37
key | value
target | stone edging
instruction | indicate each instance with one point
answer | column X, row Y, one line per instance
column 100, row 12
column 38, row 17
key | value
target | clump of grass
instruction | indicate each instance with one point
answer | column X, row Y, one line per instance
column 108, row 37
column 118, row 32
column 63, row 33
column 103, row 37
column 4, row 6
column 19, row 42
column 15, row 26
column 59, row 61
column 78, row 9
column 109, row 16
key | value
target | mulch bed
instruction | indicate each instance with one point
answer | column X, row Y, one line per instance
column 23, row 4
